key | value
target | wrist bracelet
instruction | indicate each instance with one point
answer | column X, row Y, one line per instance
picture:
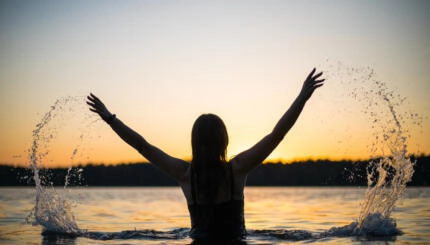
column 110, row 119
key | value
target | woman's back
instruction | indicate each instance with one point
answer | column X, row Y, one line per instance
column 219, row 218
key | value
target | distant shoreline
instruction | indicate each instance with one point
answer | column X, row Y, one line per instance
column 304, row 173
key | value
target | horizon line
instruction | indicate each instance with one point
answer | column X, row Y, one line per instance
column 269, row 161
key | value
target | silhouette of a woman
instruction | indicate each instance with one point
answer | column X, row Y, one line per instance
column 212, row 185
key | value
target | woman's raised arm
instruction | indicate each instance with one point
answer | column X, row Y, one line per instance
column 249, row 159
column 174, row 167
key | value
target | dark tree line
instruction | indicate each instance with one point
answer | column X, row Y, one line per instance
column 309, row 173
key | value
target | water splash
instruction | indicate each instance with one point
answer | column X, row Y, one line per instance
column 52, row 210
column 392, row 169
column 388, row 176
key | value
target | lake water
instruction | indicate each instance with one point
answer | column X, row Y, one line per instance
column 159, row 215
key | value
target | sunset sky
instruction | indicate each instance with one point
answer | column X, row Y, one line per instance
column 158, row 65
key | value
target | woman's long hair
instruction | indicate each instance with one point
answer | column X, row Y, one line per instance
column 209, row 142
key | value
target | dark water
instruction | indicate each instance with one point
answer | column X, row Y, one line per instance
column 274, row 215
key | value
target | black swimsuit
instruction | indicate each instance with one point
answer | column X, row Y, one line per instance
column 217, row 221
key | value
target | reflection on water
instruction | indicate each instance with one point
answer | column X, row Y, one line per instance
column 282, row 211
column 53, row 239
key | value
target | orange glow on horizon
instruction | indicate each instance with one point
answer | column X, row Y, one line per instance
column 59, row 161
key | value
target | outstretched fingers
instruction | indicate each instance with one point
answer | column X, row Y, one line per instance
column 312, row 82
column 96, row 105
column 317, row 83
column 311, row 74
column 93, row 105
column 314, row 78
column 94, row 98
column 316, row 75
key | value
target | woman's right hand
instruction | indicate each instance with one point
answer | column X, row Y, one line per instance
column 97, row 106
